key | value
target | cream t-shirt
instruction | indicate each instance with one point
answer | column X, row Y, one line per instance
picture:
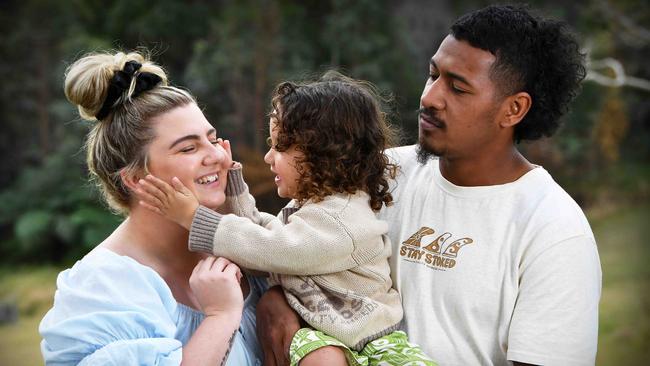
column 495, row 273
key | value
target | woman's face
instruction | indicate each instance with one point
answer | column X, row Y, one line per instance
column 185, row 146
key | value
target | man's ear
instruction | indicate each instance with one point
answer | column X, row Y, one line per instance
column 517, row 105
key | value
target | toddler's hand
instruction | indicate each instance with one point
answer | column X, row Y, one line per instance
column 225, row 144
column 176, row 203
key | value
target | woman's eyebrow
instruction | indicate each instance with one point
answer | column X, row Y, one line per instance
column 184, row 138
column 191, row 137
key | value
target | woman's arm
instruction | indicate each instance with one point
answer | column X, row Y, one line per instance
column 215, row 283
column 212, row 341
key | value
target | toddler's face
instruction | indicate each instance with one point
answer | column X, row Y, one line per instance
column 283, row 164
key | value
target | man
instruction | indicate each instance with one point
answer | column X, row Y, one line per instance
column 494, row 261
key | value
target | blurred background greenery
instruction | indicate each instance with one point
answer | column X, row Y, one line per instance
column 230, row 54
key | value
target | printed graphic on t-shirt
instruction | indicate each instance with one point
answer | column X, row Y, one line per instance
column 436, row 254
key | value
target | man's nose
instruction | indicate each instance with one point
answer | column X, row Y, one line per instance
column 432, row 95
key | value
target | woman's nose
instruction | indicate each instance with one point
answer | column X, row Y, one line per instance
column 215, row 155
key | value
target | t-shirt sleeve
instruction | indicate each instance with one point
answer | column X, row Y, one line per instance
column 110, row 314
column 555, row 321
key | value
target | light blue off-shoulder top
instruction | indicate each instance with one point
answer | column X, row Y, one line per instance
column 111, row 310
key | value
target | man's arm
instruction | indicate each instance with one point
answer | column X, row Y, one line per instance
column 276, row 325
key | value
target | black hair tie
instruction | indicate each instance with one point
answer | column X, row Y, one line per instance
column 145, row 81
column 122, row 80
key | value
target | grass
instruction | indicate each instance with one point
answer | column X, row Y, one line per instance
column 622, row 237
column 31, row 290
column 624, row 334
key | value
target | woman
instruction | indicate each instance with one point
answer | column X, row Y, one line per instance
column 140, row 297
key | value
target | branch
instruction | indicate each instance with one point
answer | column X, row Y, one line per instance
column 619, row 79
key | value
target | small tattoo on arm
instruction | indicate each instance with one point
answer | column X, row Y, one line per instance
column 230, row 342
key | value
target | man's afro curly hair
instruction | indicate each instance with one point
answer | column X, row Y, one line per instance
column 535, row 55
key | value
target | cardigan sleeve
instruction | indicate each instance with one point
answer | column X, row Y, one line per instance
column 238, row 199
column 314, row 241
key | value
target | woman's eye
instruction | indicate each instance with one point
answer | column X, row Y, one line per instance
column 433, row 76
column 269, row 142
column 215, row 142
column 187, row 149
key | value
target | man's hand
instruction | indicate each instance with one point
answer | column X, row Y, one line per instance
column 277, row 322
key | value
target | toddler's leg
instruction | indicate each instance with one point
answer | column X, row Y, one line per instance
column 311, row 347
column 325, row 356
column 395, row 350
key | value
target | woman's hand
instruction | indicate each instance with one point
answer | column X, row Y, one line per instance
column 216, row 284
column 277, row 323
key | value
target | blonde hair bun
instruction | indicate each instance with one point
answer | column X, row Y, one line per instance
column 88, row 79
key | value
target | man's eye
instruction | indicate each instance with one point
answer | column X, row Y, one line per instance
column 433, row 76
column 457, row 90
column 269, row 142
column 215, row 142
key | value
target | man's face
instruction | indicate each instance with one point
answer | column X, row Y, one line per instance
column 459, row 103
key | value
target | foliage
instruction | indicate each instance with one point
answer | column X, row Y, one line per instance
column 54, row 212
column 231, row 54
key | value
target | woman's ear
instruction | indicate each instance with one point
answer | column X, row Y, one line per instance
column 129, row 179
column 517, row 105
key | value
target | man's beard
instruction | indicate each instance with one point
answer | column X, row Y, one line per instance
column 424, row 152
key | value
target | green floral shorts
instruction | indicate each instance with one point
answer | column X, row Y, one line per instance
column 389, row 350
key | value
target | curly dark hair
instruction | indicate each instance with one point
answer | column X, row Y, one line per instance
column 535, row 55
column 340, row 127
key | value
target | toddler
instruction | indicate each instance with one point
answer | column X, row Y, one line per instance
column 326, row 248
